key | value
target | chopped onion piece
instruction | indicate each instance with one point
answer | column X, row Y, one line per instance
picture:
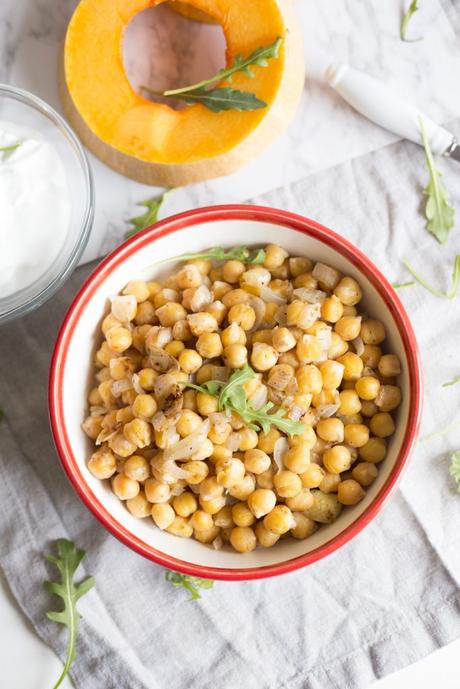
column 324, row 411
column 188, row 446
column 161, row 361
column 279, row 450
column 124, row 307
column 200, row 299
column 295, row 413
column 104, row 435
column 324, row 337
column 259, row 309
column 259, row 397
column 358, row 345
column 271, row 297
column 310, row 295
column 217, row 543
column 233, row 442
column 97, row 411
column 120, row 386
column 326, row 275
column 136, row 384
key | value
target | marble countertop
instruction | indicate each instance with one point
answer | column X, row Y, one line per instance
column 326, row 131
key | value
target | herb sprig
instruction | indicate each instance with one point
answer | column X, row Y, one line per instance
column 440, row 214
column 150, row 217
column 11, row 147
column 452, row 293
column 413, row 8
column 401, row 285
column 218, row 253
column 232, row 397
column 226, row 97
column 454, row 469
column 191, row 584
column 454, row 381
column 67, row 561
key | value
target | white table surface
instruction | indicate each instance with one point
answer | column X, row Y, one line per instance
column 362, row 33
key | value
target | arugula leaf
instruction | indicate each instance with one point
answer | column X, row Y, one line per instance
column 454, row 381
column 232, row 397
column 217, row 253
column 454, row 469
column 400, row 285
column 67, row 561
column 11, row 147
column 191, row 584
column 150, row 217
column 439, row 213
column 452, row 293
column 413, row 8
column 226, row 98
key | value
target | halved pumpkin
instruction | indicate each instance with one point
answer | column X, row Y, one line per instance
column 151, row 142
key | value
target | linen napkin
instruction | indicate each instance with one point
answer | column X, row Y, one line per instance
column 381, row 602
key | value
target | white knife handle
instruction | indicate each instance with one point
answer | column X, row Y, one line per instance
column 379, row 103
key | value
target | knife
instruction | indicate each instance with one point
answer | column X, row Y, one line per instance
column 382, row 105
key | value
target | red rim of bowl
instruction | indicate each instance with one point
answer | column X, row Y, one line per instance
column 165, row 227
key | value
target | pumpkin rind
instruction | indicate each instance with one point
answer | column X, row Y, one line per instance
column 153, row 143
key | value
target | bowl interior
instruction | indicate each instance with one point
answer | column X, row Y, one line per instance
column 137, row 261
column 29, row 113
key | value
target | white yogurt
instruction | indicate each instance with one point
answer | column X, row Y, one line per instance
column 34, row 207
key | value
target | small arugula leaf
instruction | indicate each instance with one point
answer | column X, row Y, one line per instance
column 150, row 217
column 413, row 8
column 452, row 293
column 454, row 469
column 454, row 381
column 218, row 253
column 231, row 392
column 11, row 147
column 67, row 561
column 232, row 397
column 439, row 213
column 224, row 98
column 191, row 584
column 401, row 285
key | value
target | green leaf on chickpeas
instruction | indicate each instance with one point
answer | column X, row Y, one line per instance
column 218, row 253
column 454, row 469
column 191, row 584
column 232, row 397
column 67, row 561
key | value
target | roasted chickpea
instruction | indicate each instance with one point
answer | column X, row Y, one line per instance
column 389, row 365
column 235, row 355
column 337, row 459
column 263, row 356
column 243, row 315
column 297, row 458
column 283, row 340
column 256, row 461
column 374, row 450
column 350, row 492
column 279, row 520
column 185, row 504
column 190, row 361
column 124, row 487
column 367, row 387
column 332, row 309
column 388, row 398
column 365, row 473
column 243, row 539
column 287, row 484
column 331, row 430
column 232, row 271
column 382, row 425
column 348, row 291
column 102, row 463
column 372, row 332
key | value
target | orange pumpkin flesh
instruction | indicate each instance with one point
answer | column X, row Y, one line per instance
column 153, row 143
column 191, row 13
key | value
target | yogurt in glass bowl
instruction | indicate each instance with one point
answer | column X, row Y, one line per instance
column 46, row 201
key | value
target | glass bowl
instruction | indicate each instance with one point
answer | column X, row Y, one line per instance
column 23, row 108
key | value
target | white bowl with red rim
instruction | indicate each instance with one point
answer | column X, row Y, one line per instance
column 72, row 373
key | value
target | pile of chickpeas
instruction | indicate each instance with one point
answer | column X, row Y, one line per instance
column 315, row 356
